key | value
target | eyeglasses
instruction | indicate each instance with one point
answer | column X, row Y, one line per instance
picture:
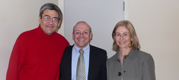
column 48, row 18
column 83, row 33
column 124, row 35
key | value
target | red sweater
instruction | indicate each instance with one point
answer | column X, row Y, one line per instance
column 36, row 56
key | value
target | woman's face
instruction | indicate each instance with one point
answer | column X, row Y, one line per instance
column 122, row 37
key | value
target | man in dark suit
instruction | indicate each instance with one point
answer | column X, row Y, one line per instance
column 93, row 59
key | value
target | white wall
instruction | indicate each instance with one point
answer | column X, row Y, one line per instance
column 61, row 6
column 157, row 24
column 16, row 16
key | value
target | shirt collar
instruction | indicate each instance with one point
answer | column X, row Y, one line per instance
column 84, row 49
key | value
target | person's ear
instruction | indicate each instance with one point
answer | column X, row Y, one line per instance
column 40, row 19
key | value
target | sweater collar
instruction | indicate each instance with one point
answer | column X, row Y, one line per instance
column 43, row 34
column 131, row 54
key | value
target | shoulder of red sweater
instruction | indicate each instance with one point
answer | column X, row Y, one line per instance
column 59, row 35
column 27, row 34
column 61, row 38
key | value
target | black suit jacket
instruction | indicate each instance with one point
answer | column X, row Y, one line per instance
column 97, row 64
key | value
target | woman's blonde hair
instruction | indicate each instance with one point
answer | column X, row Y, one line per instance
column 134, row 39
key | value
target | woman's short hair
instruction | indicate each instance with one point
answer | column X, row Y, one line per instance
column 134, row 42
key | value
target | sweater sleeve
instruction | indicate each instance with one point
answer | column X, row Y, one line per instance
column 66, row 45
column 148, row 69
column 17, row 59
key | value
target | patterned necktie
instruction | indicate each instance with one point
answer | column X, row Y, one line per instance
column 80, row 70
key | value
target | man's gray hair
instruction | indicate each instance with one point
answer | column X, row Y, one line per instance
column 50, row 6
column 82, row 22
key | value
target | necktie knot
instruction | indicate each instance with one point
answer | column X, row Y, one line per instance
column 81, row 51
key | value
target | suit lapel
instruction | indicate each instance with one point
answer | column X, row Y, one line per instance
column 68, row 63
column 91, row 63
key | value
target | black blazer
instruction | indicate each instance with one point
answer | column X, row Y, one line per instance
column 97, row 64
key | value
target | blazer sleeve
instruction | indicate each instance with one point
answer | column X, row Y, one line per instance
column 103, row 75
column 62, row 65
column 148, row 68
column 65, row 65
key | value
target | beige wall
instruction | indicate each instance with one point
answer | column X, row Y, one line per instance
column 16, row 16
column 61, row 5
column 157, row 25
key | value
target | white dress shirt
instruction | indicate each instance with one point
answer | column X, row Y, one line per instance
column 75, row 55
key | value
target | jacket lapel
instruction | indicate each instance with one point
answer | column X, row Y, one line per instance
column 91, row 61
column 68, row 63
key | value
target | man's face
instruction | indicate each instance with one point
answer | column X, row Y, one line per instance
column 49, row 21
column 82, row 35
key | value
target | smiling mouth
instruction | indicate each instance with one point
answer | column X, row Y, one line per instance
column 81, row 39
column 122, row 42
column 50, row 26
